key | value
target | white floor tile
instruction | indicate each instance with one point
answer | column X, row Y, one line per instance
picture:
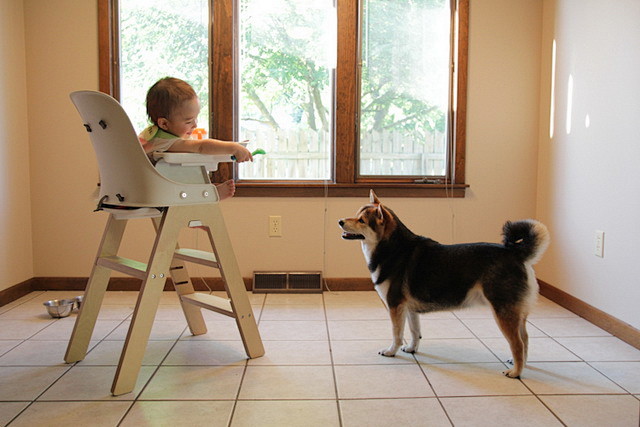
column 294, row 299
column 567, row 378
column 179, row 413
column 625, row 374
column 540, row 350
column 27, row 382
column 391, row 412
column 296, row 330
column 292, row 312
column 288, row 382
column 22, row 329
column 520, row 411
column 162, row 330
column 290, row 413
column 463, row 350
column 188, row 353
column 478, row 379
column 92, row 383
column 107, row 353
column 294, row 353
column 99, row 414
column 360, row 330
column 194, row 383
column 381, row 381
column 574, row 327
column 8, row 410
column 601, row 349
column 365, row 352
column 596, row 411
column 37, row 353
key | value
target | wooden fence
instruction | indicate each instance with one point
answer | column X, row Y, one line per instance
column 304, row 154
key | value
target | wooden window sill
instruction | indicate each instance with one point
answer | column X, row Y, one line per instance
column 297, row 189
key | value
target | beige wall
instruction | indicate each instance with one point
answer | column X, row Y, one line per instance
column 503, row 107
column 589, row 177
column 16, row 260
column 575, row 182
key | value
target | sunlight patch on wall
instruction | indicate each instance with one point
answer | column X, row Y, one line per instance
column 552, row 108
column 569, row 103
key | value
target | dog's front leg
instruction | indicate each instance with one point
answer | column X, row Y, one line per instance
column 397, row 315
column 414, row 327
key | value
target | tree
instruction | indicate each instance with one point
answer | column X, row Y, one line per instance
column 156, row 43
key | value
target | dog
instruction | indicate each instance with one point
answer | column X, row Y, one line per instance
column 414, row 274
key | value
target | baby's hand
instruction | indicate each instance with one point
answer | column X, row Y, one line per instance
column 241, row 153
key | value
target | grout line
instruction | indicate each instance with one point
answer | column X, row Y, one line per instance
column 333, row 367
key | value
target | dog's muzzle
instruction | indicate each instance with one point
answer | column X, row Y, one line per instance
column 349, row 236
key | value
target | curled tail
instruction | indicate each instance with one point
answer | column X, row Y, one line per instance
column 529, row 238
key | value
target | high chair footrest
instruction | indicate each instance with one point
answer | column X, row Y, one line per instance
column 197, row 257
column 210, row 302
column 127, row 266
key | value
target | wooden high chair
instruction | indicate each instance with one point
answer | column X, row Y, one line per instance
column 176, row 193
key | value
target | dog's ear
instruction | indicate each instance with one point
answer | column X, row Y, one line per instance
column 373, row 199
column 385, row 219
column 380, row 214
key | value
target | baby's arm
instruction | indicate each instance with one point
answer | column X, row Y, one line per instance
column 212, row 146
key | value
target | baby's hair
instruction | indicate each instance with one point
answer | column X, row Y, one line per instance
column 165, row 95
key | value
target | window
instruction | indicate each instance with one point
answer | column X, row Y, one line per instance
column 404, row 88
column 344, row 95
column 285, row 82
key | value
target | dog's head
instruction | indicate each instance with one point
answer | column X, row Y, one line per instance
column 373, row 222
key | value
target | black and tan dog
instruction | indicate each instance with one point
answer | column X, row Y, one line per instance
column 414, row 274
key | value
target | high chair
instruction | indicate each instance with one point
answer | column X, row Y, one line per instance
column 175, row 194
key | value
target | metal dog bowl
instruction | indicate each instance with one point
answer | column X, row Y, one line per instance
column 78, row 301
column 59, row 307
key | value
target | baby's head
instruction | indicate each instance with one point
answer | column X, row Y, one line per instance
column 170, row 100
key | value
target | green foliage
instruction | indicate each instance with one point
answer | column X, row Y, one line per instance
column 393, row 80
column 284, row 76
column 282, row 73
column 157, row 43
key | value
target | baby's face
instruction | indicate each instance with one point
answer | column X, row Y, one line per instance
column 183, row 119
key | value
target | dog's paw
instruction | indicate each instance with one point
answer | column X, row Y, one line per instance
column 409, row 348
column 388, row 352
column 511, row 373
column 510, row 361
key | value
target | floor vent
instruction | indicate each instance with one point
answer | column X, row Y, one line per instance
column 272, row 281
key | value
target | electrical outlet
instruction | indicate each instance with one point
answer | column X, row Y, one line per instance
column 275, row 226
column 598, row 249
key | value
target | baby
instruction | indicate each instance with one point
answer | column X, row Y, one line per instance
column 173, row 107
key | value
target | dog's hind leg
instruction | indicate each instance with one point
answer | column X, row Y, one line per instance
column 397, row 315
column 511, row 325
column 414, row 327
column 525, row 337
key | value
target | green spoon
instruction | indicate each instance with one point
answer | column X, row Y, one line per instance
column 256, row 151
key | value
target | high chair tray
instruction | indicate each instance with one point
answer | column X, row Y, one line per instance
column 210, row 161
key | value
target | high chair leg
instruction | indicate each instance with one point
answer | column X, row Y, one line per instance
column 233, row 282
column 183, row 286
column 148, row 300
column 94, row 292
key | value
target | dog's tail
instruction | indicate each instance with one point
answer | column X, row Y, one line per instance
column 529, row 238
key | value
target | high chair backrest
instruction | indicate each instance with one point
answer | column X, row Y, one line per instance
column 127, row 177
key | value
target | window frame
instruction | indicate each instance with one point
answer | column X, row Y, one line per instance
column 223, row 124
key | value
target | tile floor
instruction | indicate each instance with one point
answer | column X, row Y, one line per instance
column 321, row 368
